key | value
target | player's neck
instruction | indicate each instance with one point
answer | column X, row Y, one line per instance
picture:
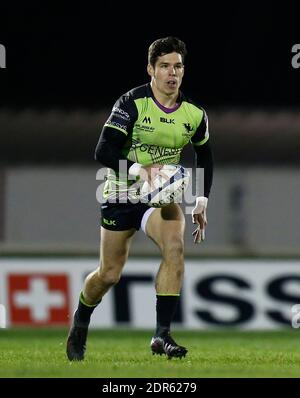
column 168, row 101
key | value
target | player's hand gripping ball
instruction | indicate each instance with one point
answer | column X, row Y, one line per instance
column 166, row 187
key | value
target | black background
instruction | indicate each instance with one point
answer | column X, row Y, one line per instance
column 70, row 57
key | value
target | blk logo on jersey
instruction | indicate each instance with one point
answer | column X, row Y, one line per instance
column 169, row 121
column 38, row 299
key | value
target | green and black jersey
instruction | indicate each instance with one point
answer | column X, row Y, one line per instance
column 150, row 133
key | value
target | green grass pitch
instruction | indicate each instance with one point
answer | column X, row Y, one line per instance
column 125, row 353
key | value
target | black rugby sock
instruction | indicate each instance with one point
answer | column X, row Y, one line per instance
column 84, row 311
column 165, row 309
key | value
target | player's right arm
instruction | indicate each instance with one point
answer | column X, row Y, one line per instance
column 115, row 133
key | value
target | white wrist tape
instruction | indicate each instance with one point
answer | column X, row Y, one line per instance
column 201, row 205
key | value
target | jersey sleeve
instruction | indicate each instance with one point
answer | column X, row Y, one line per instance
column 123, row 115
column 204, row 160
column 116, row 132
column 201, row 135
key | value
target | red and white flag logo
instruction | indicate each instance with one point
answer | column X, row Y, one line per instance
column 38, row 299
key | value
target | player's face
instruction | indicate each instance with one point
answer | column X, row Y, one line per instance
column 167, row 73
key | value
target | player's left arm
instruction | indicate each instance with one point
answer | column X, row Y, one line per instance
column 204, row 160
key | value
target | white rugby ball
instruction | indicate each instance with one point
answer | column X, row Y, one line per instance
column 166, row 189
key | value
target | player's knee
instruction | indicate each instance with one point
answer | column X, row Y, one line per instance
column 108, row 275
column 110, row 278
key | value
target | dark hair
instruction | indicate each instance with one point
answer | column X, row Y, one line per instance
column 164, row 46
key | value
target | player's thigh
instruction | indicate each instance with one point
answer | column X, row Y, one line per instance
column 166, row 227
column 114, row 248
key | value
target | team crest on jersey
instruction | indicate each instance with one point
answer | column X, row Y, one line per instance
column 188, row 130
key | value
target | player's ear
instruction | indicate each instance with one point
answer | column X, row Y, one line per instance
column 150, row 70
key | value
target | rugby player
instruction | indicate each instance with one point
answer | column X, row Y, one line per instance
column 148, row 127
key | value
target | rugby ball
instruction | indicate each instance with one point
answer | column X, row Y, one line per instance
column 166, row 188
